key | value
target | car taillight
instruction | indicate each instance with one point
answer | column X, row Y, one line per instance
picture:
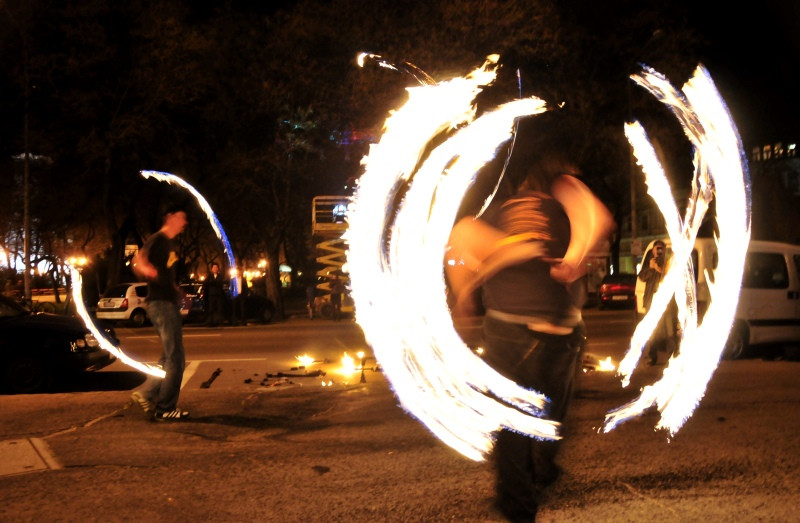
column 124, row 305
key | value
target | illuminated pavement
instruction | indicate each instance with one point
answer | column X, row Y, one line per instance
column 289, row 449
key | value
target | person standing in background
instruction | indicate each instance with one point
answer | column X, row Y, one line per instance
column 337, row 289
column 214, row 292
column 654, row 267
column 311, row 298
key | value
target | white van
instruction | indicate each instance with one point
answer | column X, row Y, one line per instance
column 769, row 304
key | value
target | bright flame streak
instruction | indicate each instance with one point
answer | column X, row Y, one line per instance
column 709, row 126
column 658, row 188
column 434, row 374
column 77, row 299
column 607, row 365
column 348, row 365
column 418, row 74
column 212, row 218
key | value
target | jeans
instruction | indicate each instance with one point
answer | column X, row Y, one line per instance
column 214, row 310
column 166, row 318
column 548, row 364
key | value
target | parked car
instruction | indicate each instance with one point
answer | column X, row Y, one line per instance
column 618, row 290
column 37, row 348
column 258, row 308
column 195, row 302
column 126, row 302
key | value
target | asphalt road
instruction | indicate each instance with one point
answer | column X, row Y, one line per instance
column 270, row 448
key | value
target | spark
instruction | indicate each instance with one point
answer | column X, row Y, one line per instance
column 406, row 67
column 212, row 218
column 105, row 344
column 720, row 173
column 400, row 297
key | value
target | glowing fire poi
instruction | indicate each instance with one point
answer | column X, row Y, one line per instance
column 720, row 173
column 212, row 219
column 80, row 307
column 395, row 257
column 220, row 232
column 400, row 296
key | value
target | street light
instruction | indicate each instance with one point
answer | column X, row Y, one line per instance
column 79, row 262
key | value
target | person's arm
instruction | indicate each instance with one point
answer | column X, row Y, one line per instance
column 477, row 251
column 141, row 265
column 590, row 224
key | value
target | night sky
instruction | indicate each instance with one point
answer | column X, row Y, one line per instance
column 755, row 62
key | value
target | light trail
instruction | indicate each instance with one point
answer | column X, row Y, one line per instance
column 80, row 307
column 396, row 259
column 720, row 174
column 396, row 253
column 218, row 230
column 212, row 218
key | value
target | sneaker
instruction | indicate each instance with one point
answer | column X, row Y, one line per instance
column 175, row 414
column 143, row 402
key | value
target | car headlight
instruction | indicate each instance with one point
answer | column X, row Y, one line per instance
column 87, row 342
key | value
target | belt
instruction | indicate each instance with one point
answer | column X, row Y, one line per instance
column 532, row 322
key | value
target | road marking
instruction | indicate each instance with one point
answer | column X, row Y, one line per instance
column 189, row 371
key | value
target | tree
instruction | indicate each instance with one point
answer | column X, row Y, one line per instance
column 259, row 108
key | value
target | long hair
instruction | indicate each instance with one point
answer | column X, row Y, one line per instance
column 544, row 168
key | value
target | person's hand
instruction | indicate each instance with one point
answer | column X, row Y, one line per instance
column 655, row 265
column 145, row 270
column 562, row 271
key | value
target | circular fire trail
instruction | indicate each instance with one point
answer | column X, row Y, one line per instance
column 397, row 250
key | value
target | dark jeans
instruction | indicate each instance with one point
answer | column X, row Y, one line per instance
column 215, row 310
column 166, row 318
column 665, row 336
column 545, row 363
column 336, row 301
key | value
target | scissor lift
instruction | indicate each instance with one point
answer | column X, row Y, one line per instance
column 328, row 224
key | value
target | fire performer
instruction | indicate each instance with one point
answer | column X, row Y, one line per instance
column 155, row 262
column 527, row 253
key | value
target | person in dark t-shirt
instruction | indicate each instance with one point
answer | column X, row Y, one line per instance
column 156, row 263
column 526, row 255
column 214, row 291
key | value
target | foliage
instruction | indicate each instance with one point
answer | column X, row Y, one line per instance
column 262, row 109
